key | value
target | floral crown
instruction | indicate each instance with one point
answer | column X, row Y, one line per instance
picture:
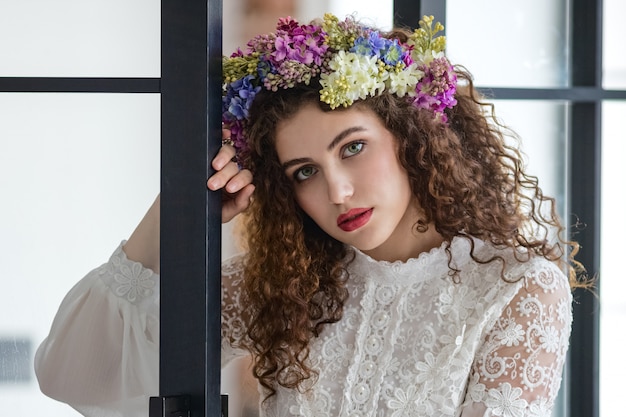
column 351, row 61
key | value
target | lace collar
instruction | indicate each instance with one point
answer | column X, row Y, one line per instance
column 426, row 266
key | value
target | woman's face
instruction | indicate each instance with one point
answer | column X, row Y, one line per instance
column 347, row 178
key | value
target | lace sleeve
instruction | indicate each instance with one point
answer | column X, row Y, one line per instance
column 517, row 371
column 234, row 315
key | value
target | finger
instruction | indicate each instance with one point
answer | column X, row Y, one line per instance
column 223, row 157
column 238, row 204
column 239, row 181
column 222, row 176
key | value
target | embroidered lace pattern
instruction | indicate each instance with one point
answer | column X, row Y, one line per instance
column 412, row 343
column 129, row 279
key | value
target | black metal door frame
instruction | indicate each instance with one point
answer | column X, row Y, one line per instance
column 191, row 74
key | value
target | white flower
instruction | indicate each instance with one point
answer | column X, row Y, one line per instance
column 457, row 302
column 134, row 282
column 430, row 371
column 354, row 77
column 403, row 82
column 563, row 310
column 476, row 390
column 512, row 334
column 539, row 408
column 550, row 339
column 404, row 403
column 506, row 401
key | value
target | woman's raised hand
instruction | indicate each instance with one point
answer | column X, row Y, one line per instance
column 236, row 184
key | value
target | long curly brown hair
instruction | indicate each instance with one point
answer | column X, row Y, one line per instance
column 468, row 181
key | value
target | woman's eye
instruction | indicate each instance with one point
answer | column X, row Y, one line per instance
column 352, row 149
column 304, row 173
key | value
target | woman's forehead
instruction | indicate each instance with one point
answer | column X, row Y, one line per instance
column 310, row 123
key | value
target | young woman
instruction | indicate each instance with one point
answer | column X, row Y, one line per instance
column 399, row 260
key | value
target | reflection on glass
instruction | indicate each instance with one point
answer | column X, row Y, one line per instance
column 77, row 38
column 611, row 277
column 509, row 43
column 77, row 172
column 614, row 65
column 15, row 357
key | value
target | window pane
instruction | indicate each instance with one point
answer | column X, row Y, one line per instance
column 509, row 43
column 611, row 281
column 77, row 38
column 541, row 128
column 614, row 35
column 77, row 173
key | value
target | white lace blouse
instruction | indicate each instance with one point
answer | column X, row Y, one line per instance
column 410, row 343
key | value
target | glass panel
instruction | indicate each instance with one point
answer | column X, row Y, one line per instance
column 541, row 128
column 613, row 37
column 76, row 38
column 77, row 173
column 509, row 43
column 612, row 283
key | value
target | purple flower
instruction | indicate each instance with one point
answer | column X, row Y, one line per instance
column 435, row 91
column 304, row 44
column 283, row 49
column 286, row 24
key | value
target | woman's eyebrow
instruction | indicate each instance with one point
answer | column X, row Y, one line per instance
column 332, row 145
column 343, row 134
column 297, row 161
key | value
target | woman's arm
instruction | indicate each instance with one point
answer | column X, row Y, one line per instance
column 143, row 246
column 517, row 371
column 101, row 355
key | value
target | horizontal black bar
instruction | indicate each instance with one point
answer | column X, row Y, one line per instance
column 79, row 85
column 578, row 94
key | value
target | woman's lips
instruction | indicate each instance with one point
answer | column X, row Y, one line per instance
column 354, row 219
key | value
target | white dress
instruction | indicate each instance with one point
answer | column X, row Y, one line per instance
column 410, row 343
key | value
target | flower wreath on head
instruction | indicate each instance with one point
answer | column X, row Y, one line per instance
column 351, row 61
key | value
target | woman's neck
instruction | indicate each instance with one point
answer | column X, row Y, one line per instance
column 407, row 246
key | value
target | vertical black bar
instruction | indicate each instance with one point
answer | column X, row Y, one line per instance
column 584, row 201
column 584, row 195
column 190, row 215
column 586, row 41
column 213, row 301
column 407, row 13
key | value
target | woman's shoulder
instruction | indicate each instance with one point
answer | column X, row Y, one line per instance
column 535, row 272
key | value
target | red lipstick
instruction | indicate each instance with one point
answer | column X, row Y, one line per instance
column 354, row 219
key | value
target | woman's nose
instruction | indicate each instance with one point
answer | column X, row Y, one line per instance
column 340, row 188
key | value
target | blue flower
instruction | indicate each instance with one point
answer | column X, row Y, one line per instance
column 362, row 47
column 239, row 97
column 393, row 53
column 369, row 46
column 377, row 43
